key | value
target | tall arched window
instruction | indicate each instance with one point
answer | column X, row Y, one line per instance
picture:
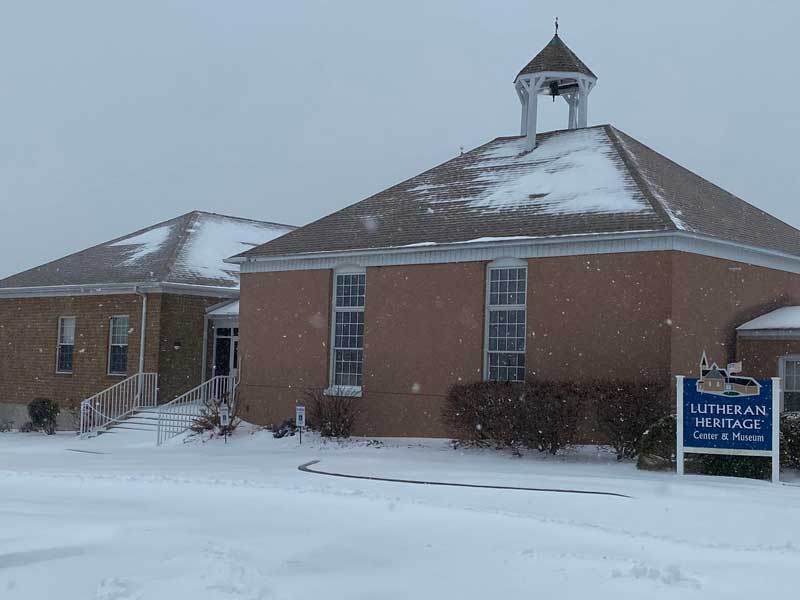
column 506, row 292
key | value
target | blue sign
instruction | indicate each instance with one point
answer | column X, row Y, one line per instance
column 731, row 412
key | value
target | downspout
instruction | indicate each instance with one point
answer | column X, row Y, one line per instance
column 205, row 347
column 143, row 326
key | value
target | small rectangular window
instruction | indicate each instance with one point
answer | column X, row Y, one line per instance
column 791, row 385
column 348, row 330
column 505, row 318
column 66, row 344
column 118, row 346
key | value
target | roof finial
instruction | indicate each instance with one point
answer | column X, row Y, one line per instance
column 556, row 25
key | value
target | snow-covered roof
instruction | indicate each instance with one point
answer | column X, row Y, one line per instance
column 187, row 250
column 594, row 180
column 226, row 310
column 787, row 317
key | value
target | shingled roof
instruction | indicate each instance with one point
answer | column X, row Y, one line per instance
column 188, row 250
column 556, row 56
column 595, row 180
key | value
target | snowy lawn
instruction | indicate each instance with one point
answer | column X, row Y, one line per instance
column 209, row 520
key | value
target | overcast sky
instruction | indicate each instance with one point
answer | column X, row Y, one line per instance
column 114, row 116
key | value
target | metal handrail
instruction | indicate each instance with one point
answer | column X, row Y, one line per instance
column 118, row 401
column 177, row 416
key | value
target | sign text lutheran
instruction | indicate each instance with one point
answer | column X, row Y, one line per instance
column 723, row 412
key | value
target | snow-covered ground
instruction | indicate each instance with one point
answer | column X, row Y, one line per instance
column 210, row 520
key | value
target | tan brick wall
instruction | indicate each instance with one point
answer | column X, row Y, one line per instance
column 760, row 357
column 424, row 330
column 711, row 297
column 181, row 321
column 28, row 339
column 642, row 316
column 29, row 333
column 603, row 315
column 284, row 327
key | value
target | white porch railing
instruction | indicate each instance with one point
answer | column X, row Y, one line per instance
column 177, row 416
column 117, row 402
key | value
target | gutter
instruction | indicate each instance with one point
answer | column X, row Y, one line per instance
column 117, row 288
column 675, row 237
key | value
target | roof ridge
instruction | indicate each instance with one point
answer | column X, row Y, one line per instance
column 235, row 218
column 641, row 182
column 169, row 261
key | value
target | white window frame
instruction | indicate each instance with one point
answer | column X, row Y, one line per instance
column 782, row 374
column 345, row 390
column 110, row 344
column 60, row 343
column 503, row 263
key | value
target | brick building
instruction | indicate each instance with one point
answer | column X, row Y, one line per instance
column 139, row 303
column 579, row 253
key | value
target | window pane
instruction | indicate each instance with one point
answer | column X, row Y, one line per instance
column 791, row 376
column 118, row 360
column 507, row 330
column 348, row 367
column 349, row 331
column 350, row 290
column 507, row 286
column 223, row 332
column 66, row 344
column 66, row 332
column 65, row 354
column 791, row 401
column 119, row 330
column 507, row 366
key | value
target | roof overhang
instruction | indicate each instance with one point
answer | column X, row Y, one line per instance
column 106, row 289
column 769, row 334
column 487, row 249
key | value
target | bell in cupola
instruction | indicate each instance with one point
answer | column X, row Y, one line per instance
column 554, row 89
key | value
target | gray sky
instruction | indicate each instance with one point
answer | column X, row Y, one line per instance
column 114, row 116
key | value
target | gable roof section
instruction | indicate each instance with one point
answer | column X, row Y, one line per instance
column 589, row 181
column 556, row 56
column 186, row 250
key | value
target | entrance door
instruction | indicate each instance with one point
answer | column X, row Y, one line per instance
column 226, row 350
column 234, row 370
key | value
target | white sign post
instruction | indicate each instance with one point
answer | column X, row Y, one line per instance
column 721, row 422
column 300, row 419
column 224, row 418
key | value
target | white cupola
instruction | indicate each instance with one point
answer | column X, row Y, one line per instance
column 555, row 71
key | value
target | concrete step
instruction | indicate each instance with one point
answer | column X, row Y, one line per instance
column 116, row 427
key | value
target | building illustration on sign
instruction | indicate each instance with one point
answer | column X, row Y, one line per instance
column 723, row 382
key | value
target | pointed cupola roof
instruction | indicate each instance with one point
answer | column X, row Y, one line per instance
column 556, row 56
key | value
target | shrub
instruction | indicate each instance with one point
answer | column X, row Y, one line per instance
column 753, row 467
column 6, row 425
column 790, row 440
column 542, row 414
column 484, row 412
column 552, row 411
column 44, row 415
column 657, row 446
column 657, row 451
column 331, row 415
column 626, row 409
column 209, row 419
column 27, row 427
